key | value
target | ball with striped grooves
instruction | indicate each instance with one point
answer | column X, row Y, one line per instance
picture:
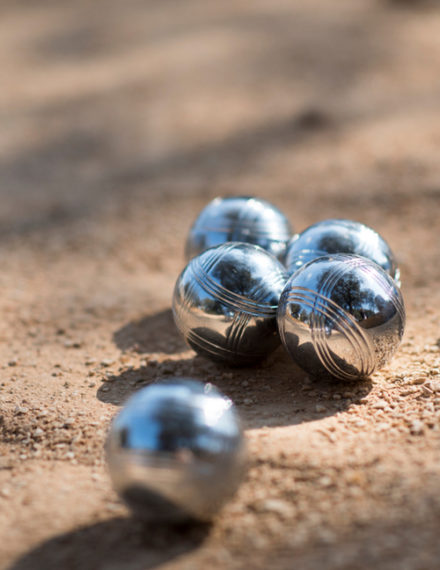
column 225, row 303
column 341, row 315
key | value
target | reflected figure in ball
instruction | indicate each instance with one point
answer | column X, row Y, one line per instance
column 341, row 316
column 176, row 451
column 340, row 236
column 239, row 218
column 225, row 303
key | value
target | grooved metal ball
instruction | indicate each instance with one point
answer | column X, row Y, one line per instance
column 225, row 303
column 341, row 315
column 176, row 451
column 340, row 236
column 239, row 218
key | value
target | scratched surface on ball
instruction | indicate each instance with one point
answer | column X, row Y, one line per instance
column 341, row 315
column 225, row 303
column 340, row 236
column 176, row 451
column 239, row 218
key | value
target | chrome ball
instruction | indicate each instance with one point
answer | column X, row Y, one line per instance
column 176, row 451
column 340, row 236
column 225, row 303
column 341, row 315
column 243, row 219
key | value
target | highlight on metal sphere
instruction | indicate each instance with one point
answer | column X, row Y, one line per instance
column 239, row 218
column 341, row 315
column 225, row 303
column 176, row 451
column 340, row 236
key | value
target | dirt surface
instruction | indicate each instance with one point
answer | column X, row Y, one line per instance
column 120, row 121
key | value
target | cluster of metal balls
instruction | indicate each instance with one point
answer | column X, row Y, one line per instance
column 330, row 294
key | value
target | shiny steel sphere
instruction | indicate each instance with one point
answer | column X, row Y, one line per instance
column 239, row 218
column 341, row 315
column 176, row 451
column 225, row 303
column 340, row 236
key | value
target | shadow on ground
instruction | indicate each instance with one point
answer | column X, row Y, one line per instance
column 385, row 543
column 154, row 333
column 273, row 393
column 116, row 182
column 116, row 543
column 79, row 163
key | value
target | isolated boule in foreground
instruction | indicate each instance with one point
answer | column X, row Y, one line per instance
column 176, row 451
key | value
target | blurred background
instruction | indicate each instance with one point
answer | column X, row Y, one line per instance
column 110, row 108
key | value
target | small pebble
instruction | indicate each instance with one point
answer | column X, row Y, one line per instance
column 418, row 380
column 416, row 428
column 278, row 506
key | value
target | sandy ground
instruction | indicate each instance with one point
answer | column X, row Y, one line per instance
column 119, row 122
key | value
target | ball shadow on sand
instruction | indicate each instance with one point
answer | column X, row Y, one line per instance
column 152, row 333
column 274, row 393
column 115, row 543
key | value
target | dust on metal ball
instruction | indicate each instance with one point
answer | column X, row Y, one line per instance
column 239, row 218
column 340, row 236
column 176, row 451
column 341, row 316
column 225, row 303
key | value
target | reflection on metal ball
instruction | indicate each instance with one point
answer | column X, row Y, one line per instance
column 340, row 236
column 176, row 451
column 225, row 303
column 238, row 218
column 341, row 315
